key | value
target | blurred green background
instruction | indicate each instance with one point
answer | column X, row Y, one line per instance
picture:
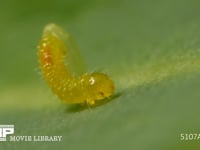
column 151, row 49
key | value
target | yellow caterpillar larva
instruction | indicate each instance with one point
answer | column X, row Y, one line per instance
column 61, row 65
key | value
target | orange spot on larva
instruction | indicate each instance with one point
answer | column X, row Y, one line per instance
column 47, row 56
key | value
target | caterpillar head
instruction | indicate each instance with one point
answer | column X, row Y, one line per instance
column 99, row 86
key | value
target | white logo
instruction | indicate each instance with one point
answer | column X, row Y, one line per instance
column 5, row 130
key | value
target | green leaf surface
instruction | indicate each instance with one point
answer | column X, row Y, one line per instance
column 151, row 49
